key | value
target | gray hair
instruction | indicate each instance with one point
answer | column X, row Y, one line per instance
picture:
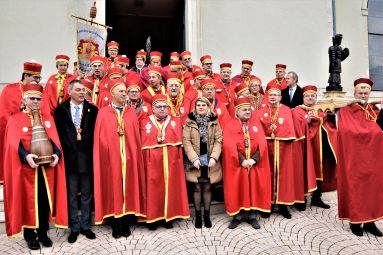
column 72, row 83
column 294, row 74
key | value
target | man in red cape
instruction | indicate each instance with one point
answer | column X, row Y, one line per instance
column 141, row 108
column 11, row 101
column 360, row 175
column 33, row 194
column 280, row 72
column 207, row 66
column 225, row 86
column 161, row 136
column 156, row 84
column 246, row 172
column 245, row 76
column 119, row 177
column 54, row 91
column 287, row 181
column 99, row 78
column 218, row 107
column 322, row 137
column 179, row 105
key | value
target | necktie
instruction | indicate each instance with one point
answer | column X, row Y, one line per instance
column 291, row 94
column 77, row 116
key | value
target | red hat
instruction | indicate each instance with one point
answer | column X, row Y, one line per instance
column 363, row 83
column 88, row 85
column 63, row 58
column 115, row 83
column 207, row 83
column 176, row 63
column 174, row 55
column 155, row 54
column 280, row 67
column 240, row 88
column 133, row 84
column 199, row 74
column 142, row 54
column 185, row 54
column 159, row 98
column 205, row 59
column 241, row 102
column 115, row 71
column 174, row 77
column 97, row 59
column 309, row 88
column 225, row 66
column 113, row 45
column 247, row 63
column 32, row 68
column 32, row 88
column 122, row 59
column 274, row 87
column 155, row 69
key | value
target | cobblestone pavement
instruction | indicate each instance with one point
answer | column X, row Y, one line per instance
column 314, row 231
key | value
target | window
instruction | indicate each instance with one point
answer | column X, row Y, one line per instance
column 375, row 42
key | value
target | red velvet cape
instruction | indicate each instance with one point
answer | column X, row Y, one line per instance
column 165, row 177
column 50, row 95
column 286, row 182
column 245, row 190
column 323, row 137
column 119, row 177
column 359, row 168
column 10, row 103
column 20, row 180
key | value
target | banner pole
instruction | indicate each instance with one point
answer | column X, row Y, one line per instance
column 92, row 22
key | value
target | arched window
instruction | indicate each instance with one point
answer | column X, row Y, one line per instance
column 375, row 42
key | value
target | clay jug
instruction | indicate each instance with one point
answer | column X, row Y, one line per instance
column 40, row 143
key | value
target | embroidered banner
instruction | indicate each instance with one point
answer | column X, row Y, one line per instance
column 91, row 40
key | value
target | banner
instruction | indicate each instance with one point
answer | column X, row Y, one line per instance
column 91, row 41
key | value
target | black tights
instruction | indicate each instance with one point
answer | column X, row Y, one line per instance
column 198, row 196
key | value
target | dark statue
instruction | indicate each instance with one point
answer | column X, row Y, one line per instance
column 336, row 56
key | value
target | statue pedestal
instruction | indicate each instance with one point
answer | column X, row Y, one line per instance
column 334, row 95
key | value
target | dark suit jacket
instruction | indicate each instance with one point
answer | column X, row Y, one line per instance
column 78, row 155
column 297, row 98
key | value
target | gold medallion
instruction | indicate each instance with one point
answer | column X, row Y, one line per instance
column 78, row 136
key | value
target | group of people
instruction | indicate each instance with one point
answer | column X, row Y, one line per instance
column 129, row 139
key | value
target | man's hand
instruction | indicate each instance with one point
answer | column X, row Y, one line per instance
column 30, row 159
column 252, row 162
column 246, row 164
column 55, row 160
column 197, row 164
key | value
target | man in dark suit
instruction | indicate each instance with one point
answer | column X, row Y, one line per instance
column 75, row 120
column 292, row 96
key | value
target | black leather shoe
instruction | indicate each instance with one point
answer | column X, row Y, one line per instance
column 265, row 215
column 371, row 227
column 127, row 231
column 168, row 225
column 45, row 241
column 72, row 237
column 356, row 229
column 152, row 226
column 300, row 206
column 254, row 223
column 234, row 224
column 284, row 211
column 33, row 244
column 88, row 234
column 319, row 203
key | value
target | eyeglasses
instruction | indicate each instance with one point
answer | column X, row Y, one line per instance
column 161, row 106
column 34, row 98
column 36, row 77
